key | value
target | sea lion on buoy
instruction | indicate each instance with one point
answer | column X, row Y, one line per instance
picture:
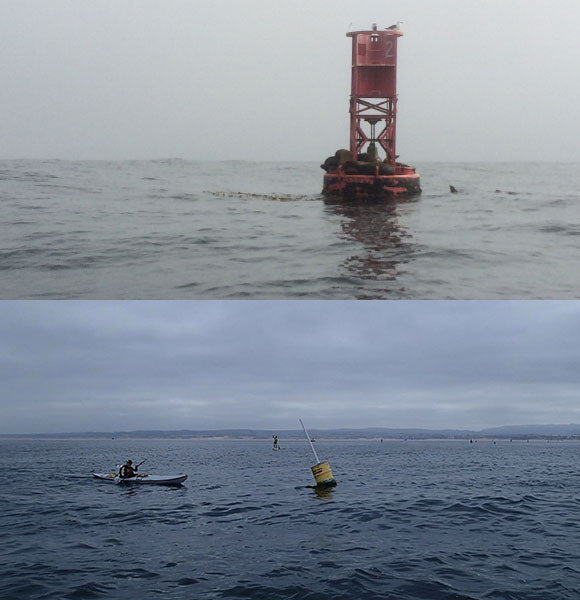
column 329, row 164
column 371, row 155
column 340, row 157
column 372, row 152
column 386, row 169
column 343, row 155
column 359, row 167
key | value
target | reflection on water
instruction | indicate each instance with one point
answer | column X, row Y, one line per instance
column 324, row 492
column 375, row 225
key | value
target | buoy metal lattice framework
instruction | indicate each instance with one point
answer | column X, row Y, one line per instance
column 361, row 171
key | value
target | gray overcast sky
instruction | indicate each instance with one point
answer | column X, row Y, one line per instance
column 86, row 366
column 269, row 79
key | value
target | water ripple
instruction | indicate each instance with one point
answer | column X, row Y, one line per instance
column 186, row 230
column 467, row 529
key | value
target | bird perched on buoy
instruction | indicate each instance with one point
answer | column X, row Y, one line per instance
column 394, row 27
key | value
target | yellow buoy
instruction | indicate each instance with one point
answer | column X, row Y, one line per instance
column 321, row 470
column 323, row 474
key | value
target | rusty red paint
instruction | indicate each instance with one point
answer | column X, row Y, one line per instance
column 373, row 93
column 404, row 182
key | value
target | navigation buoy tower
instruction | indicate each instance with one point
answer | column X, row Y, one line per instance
column 369, row 168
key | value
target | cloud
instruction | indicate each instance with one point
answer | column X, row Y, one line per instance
column 98, row 365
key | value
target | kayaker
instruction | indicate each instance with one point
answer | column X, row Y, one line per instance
column 127, row 470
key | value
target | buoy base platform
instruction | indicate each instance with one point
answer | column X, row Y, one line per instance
column 341, row 183
column 323, row 475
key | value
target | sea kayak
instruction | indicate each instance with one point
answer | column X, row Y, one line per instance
column 151, row 479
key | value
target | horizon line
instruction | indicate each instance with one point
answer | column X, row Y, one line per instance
column 327, row 429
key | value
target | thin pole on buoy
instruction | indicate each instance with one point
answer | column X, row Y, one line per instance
column 321, row 470
column 310, row 442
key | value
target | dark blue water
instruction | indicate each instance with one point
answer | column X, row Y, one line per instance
column 175, row 229
column 408, row 520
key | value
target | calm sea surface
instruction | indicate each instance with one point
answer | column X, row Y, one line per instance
column 172, row 229
column 408, row 520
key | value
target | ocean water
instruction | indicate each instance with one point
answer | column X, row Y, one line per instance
column 408, row 520
column 176, row 229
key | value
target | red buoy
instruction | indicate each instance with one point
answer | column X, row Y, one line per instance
column 370, row 168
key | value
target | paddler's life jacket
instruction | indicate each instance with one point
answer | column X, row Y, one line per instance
column 126, row 471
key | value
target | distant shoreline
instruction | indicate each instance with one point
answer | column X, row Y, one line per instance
column 548, row 432
column 61, row 438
